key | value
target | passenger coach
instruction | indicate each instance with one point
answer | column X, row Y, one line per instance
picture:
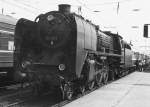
column 7, row 26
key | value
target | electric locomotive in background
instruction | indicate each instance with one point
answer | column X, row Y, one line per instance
column 7, row 26
column 61, row 49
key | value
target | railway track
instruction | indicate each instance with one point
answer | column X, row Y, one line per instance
column 29, row 100
column 14, row 100
column 13, row 94
column 25, row 98
column 15, row 104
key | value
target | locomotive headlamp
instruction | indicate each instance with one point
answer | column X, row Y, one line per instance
column 91, row 61
column 25, row 64
column 23, row 74
column 62, row 67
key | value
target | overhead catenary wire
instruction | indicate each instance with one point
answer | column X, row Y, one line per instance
column 28, row 5
column 107, row 3
column 90, row 10
column 34, row 10
column 114, row 3
column 19, row 6
column 83, row 4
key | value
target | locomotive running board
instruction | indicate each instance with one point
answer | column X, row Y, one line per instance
column 102, row 53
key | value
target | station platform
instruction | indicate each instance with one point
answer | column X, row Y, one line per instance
column 132, row 90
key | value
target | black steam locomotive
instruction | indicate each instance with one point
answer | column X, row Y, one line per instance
column 62, row 49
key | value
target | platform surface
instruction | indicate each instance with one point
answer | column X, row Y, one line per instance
column 130, row 91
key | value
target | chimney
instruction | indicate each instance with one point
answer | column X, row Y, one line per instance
column 64, row 8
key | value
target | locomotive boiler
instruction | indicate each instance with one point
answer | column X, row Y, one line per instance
column 62, row 50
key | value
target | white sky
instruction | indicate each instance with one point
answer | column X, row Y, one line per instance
column 107, row 17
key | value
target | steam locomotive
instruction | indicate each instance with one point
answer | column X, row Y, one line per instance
column 62, row 50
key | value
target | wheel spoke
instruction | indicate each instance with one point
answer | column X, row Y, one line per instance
column 105, row 77
column 91, row 85
column 99, row 78
column 112, row 75
column 82, row 89
column 68, row 91
column 69, row 95
column 62, row 92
